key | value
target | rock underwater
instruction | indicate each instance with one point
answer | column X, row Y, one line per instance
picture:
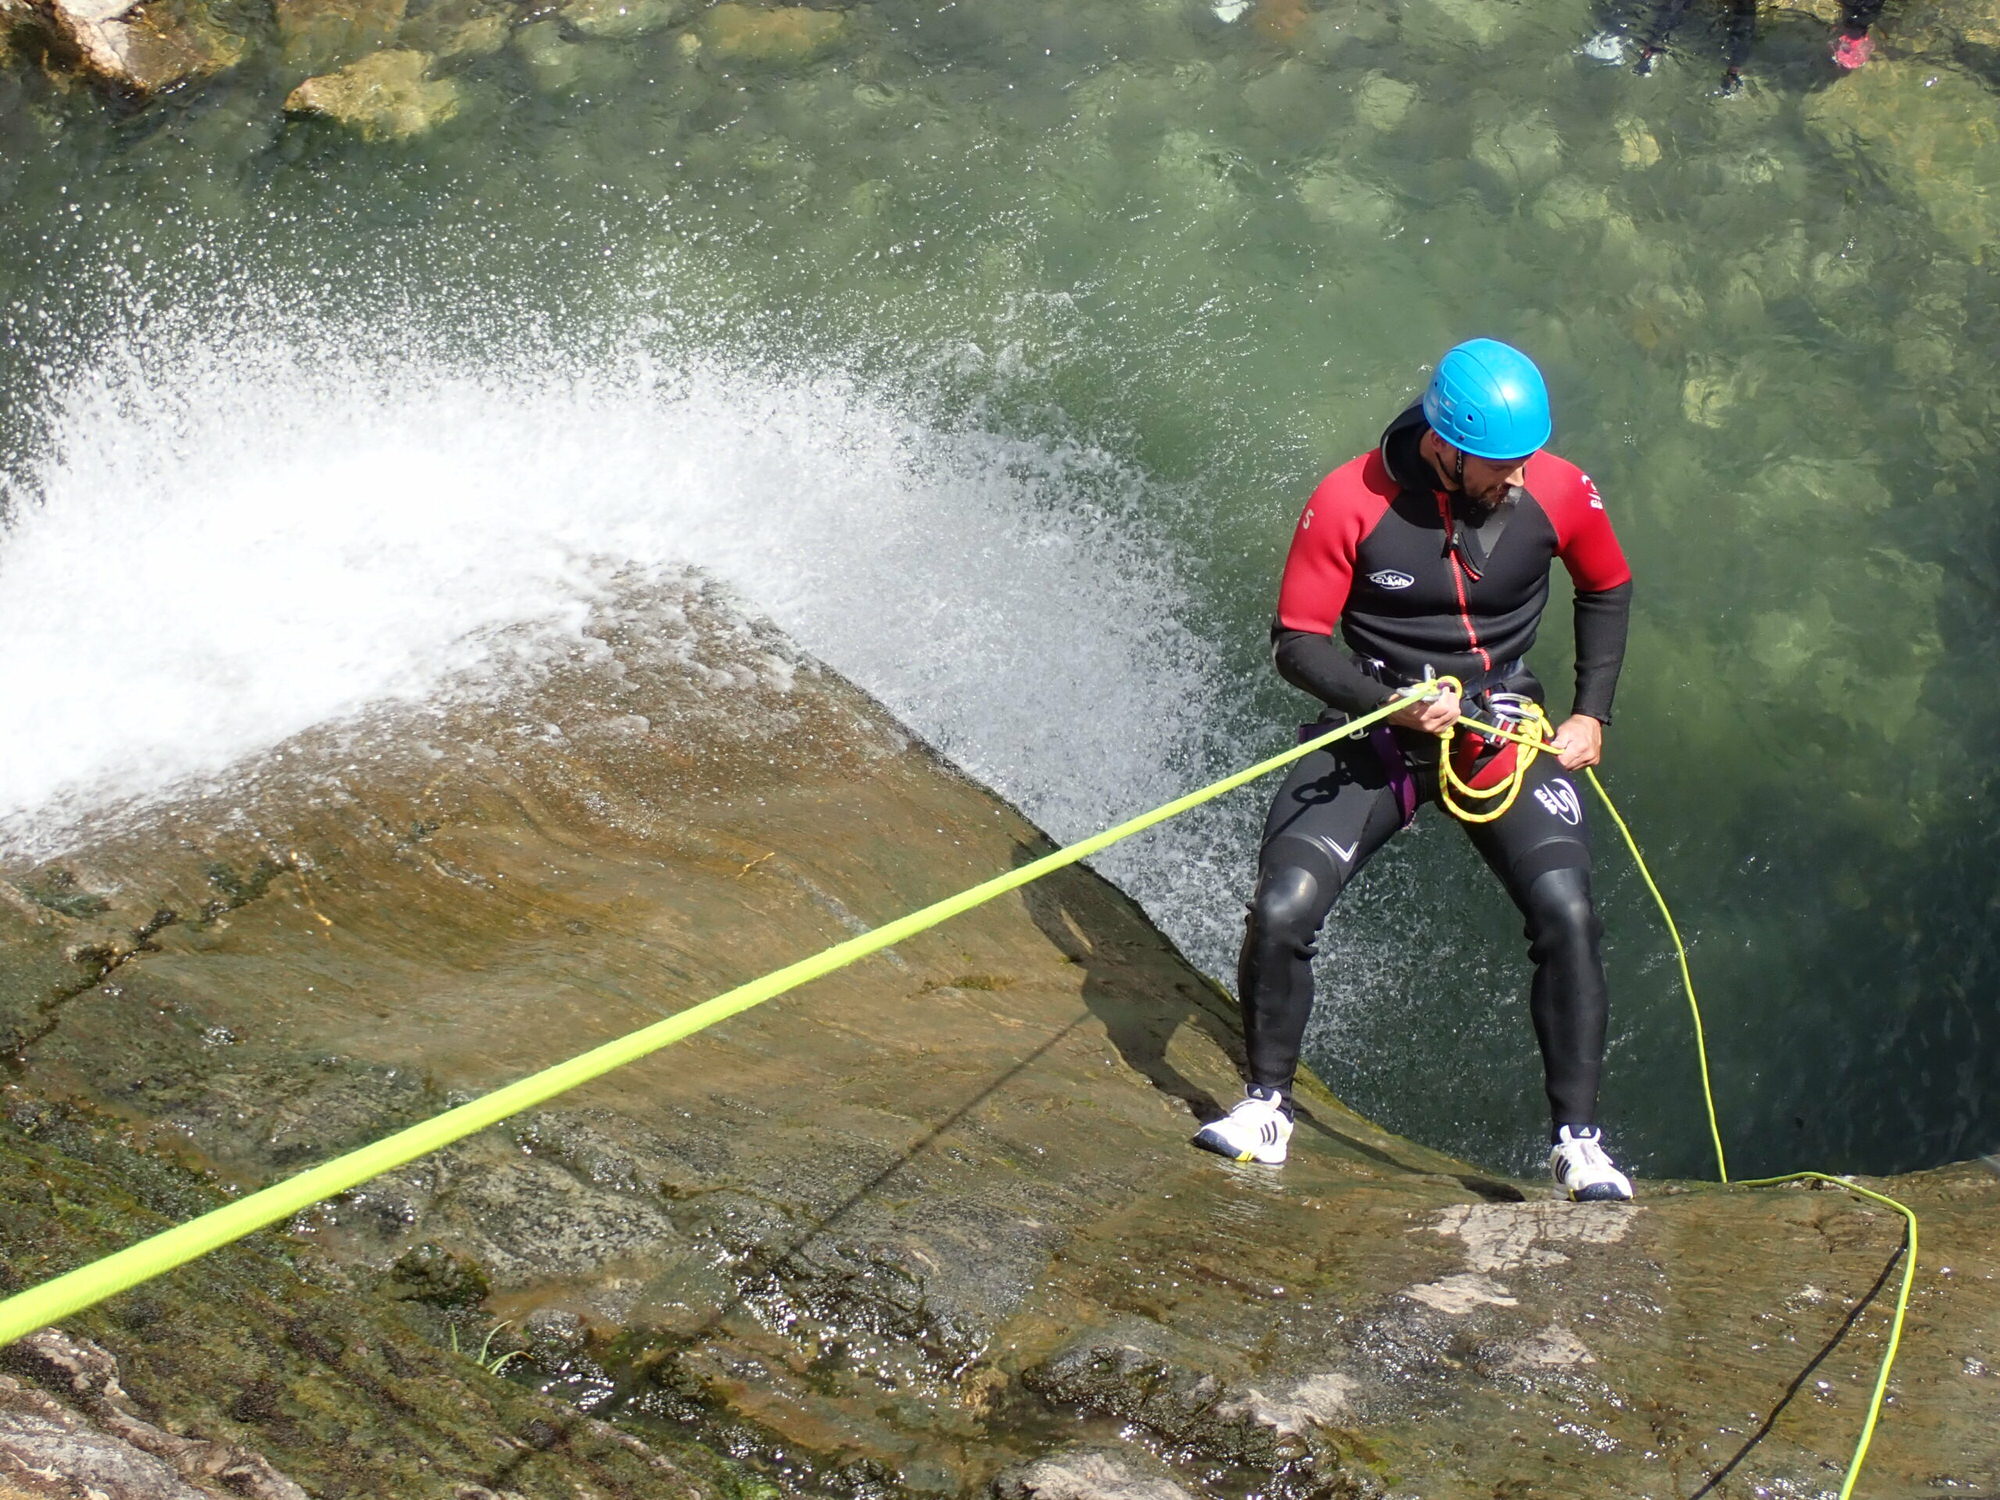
column 930, row 1226
column 387, row 95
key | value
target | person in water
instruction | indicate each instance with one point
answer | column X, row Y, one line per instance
column 1852, row 45
column 1740, row 30
column 1851, row 48
column 1430, row 557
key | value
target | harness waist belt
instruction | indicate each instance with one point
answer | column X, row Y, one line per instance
column 1473, row 683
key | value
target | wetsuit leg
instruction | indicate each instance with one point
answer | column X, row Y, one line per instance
column 1569, row 998
column 1541, row 852
column 1667, row 15
column 1742, row 32
column 1334, row 811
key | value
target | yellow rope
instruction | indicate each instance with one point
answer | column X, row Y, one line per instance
column 1533, row 745
column 1451, row 787
column 1895, row 1324
column 1708, row 1097
column 91, row 1284
column 1687, row 978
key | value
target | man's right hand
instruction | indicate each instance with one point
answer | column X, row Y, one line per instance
column 1432, row 717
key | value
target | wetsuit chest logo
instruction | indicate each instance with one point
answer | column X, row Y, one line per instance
column 1389, row 578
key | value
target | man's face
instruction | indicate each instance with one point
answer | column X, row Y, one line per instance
column 1487, row 480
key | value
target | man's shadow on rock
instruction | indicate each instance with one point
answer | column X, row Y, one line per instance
column 1130, row 983
column 1142, row 1003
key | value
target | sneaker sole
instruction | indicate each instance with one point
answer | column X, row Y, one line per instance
column 1223, row 1149
column 1603, row 1192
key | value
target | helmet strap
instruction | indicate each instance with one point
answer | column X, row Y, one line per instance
column 1454, row 476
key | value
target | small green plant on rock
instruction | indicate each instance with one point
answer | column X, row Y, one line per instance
column 487, row 1360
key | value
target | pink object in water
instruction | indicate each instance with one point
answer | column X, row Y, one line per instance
column 1850, row 52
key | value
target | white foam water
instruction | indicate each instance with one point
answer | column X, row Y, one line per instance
column 230, row 540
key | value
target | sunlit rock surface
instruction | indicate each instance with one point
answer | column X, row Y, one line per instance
column 386, row 95
column 142, row 49
column 928, row 1226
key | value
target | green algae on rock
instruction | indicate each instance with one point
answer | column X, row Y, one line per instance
column 262, row 1352
column 319, row 35
column 623, row 18
column 774, row 34
column 455, row 28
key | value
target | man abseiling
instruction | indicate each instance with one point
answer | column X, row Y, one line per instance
column 1430, row 557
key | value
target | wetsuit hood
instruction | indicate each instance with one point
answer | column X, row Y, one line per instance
column 1402, row 455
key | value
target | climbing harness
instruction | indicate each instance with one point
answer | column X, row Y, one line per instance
column 1523, row 724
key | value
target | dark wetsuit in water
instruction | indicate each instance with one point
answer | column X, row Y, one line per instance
column 1417, row 581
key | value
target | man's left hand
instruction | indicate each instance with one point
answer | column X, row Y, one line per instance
column 1579, row 742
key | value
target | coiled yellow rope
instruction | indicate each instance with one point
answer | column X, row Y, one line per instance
column 1528, row 747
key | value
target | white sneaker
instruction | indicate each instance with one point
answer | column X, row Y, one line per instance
column 1578, row 1162
column 1256, row 1130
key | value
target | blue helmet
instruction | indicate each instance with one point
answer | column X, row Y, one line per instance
column 1487, row 399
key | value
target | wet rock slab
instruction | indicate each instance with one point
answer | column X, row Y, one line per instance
column 266, row 1353
column 932, row 1225
column 137, row 50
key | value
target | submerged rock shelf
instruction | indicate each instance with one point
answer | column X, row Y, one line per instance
column 928, row 1227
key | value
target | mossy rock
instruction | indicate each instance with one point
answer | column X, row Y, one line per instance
column 1333, row 196
column 442, row 1278
column 622, row 18
column 1382, row 103
column 385, row 96
column 272, row 1361
column 317, row 35
column 780, row 34
column 458, row 28
column 554, row 61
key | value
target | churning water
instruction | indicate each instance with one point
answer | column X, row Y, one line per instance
column 284, row 526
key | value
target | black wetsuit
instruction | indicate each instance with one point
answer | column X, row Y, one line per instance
column 1419, row 581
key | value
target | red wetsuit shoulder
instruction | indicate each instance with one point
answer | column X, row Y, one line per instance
column 1319, row 569
column 1585, row 541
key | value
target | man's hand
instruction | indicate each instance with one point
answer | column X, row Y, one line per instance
column 1433, row 717
column 1579, row 742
